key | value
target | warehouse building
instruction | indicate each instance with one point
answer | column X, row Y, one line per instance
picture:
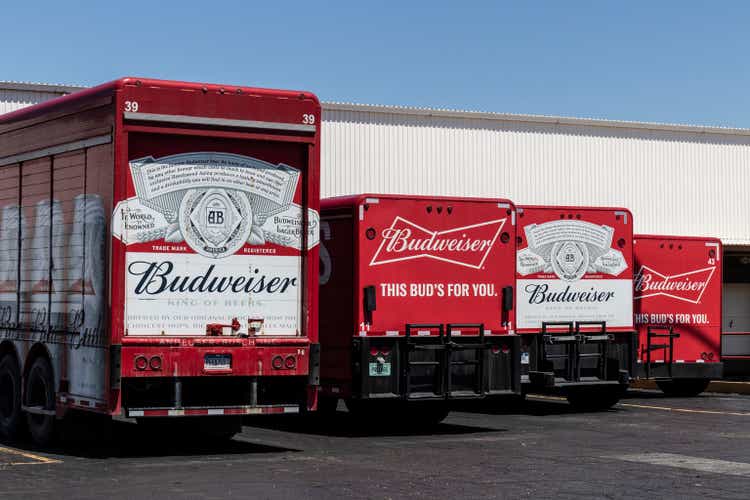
column 676, row 179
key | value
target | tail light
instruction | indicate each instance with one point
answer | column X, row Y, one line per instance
column 290, row 362
column 155, row 363
column 374, row 351
column 277, row 362
column 141, row 363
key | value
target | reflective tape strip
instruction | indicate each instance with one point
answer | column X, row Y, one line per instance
column 218, row 122
column 192, row 412
column 391, row 333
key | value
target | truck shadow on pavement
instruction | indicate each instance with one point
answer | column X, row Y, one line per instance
column 128, row 440
column 528, row 406
column 341, row 424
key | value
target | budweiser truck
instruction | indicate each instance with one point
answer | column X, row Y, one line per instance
column 159, row 255
column 677, row 293
column 574, row 279
column 416, row 304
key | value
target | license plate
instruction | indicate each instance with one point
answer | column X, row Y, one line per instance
column 217, row 362
column 380, row 369
column 524, row 358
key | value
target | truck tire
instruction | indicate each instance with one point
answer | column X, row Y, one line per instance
column 40, row 393
column 11, row 416
column 686, row 388
column 595, row 398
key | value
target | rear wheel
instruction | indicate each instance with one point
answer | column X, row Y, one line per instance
column 595, row 398
column 11, row 417
column 685, row 388
column 40, row 400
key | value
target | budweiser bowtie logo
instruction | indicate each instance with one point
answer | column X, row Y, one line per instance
column 688, row 287
column 464, row 246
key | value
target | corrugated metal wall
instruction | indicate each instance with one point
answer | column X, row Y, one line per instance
column 675, row 182
column 11, row 100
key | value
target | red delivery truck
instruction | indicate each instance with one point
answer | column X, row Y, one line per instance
column 159, row 255
column 574, row 282
column 677, row 294
column 416, row 304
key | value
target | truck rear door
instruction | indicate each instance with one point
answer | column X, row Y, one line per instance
column 213, row 228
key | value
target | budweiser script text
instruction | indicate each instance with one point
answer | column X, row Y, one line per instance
column 541, row 293
column 158, row 277
column 402, row 240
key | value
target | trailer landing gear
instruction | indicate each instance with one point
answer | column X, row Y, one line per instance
column 686, row 388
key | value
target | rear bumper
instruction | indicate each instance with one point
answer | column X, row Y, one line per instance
column 433, row 369
column 673, row 371
column 210, row 411
column 563, row 361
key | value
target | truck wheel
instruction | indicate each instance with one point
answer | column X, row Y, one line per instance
column 10, row 397
column 40, row 394
column 686, row 388
column 595, row 399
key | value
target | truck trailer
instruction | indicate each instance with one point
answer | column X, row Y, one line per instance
column 574, row 285
column 677, row 294
column 158, row 254
column 416, row 304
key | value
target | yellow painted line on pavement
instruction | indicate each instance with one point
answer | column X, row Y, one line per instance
column 38, row 458
column 686, row 410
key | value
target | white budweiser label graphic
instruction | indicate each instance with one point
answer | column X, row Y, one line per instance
column 688, row 286
column 466, row 246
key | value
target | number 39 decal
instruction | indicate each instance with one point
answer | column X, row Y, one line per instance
column 308, row 119
column 131, row 106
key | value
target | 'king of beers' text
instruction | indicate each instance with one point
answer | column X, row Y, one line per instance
column 157, row 277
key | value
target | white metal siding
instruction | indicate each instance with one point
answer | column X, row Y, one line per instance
column 675, row 181
column 11, row 100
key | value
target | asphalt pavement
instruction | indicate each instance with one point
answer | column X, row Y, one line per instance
column 648, row 446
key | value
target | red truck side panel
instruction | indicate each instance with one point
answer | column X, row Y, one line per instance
column 678, row 284
column 575, row 264
column 425, row 260
column 435, row 261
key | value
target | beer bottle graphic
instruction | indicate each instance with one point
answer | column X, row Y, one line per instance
column 11, row 219
column 36, row 311
column 85, row 297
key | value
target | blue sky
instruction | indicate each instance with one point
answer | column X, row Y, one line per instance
column 669, row 61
